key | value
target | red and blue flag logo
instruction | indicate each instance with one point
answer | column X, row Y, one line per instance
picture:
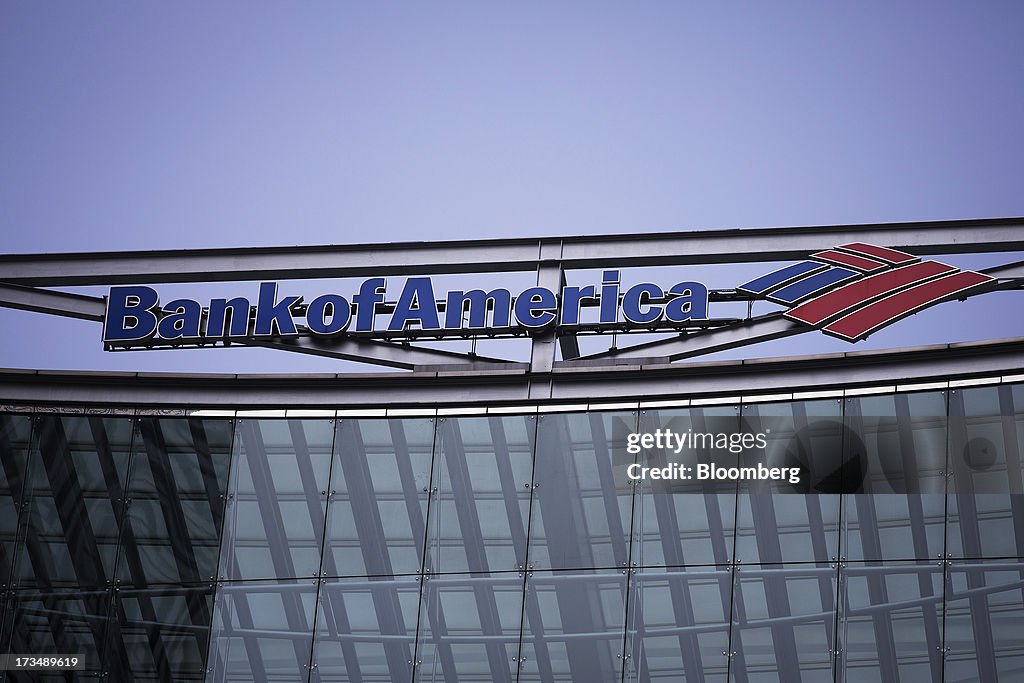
column 855, row 289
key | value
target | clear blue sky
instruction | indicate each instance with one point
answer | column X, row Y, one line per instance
column 172, row 125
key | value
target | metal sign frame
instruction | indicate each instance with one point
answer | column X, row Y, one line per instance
column 24, row 279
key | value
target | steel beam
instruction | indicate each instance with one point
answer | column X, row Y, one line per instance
column 501, row 255
column 542, row 344
column 755, row 331
column 389, row 354
column 1013, row 270
column 53, row 303
column 568, row 342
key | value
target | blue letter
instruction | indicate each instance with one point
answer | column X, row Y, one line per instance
column 316, row 314
column 571, row 299
column 181, row 319
column 633, row 301
column 690, row 302
column 217, row 319
column 535, row 307
column 274, row 315
column 610, row 296
column 416, row 304
column 130, row 314
column 371, row 293
column 479, row 302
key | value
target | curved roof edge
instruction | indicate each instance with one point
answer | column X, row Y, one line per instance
column 945, row 363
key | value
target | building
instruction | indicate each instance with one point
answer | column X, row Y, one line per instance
column 471, row 518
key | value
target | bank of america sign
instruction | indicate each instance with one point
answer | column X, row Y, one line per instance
column 849, row 292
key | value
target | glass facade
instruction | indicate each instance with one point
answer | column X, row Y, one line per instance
column 509, row 547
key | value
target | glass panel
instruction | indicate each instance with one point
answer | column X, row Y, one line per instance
column 75, row 492
column 159, row 634
column 366, row 629
column 986, row 505
column 275, row 517
column 469, row 628
column 891, row 621
column 479, row 514
column 679, row 625
column 784, row 623
column 263, row 631
column 15, row 435
column 984, row 620
column 687, row 522
column 574, row 626
column 895, row 505
column 582, row 503
column 377, row 515
column 176, row 496
column 59, row 622
column 780, row 521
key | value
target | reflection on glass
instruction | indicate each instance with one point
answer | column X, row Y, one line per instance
column 678, row 627
column 777, row 521
column 176, row 498
column 986, row 505
column 582, row 504
column 263, row 630
column 59, row 622
column 573, row 626
column 112, row 527
column 275, row 517
column 984, row 620
column 484, row 474
column 891, row 621
column 899, row 510
column 15, row 435
column 380, row 485
column 159, row 634
column 366, row 629
column 687, row 522
column 75, row 492
column 469, row 628
column 784, row 623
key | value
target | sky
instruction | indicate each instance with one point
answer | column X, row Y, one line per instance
column 194, row 124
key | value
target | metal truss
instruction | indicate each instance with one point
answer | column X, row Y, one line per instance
column 513, row 385
column 22, row 277
column 501, row 255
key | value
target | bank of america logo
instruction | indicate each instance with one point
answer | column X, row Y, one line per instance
column 855, row 289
